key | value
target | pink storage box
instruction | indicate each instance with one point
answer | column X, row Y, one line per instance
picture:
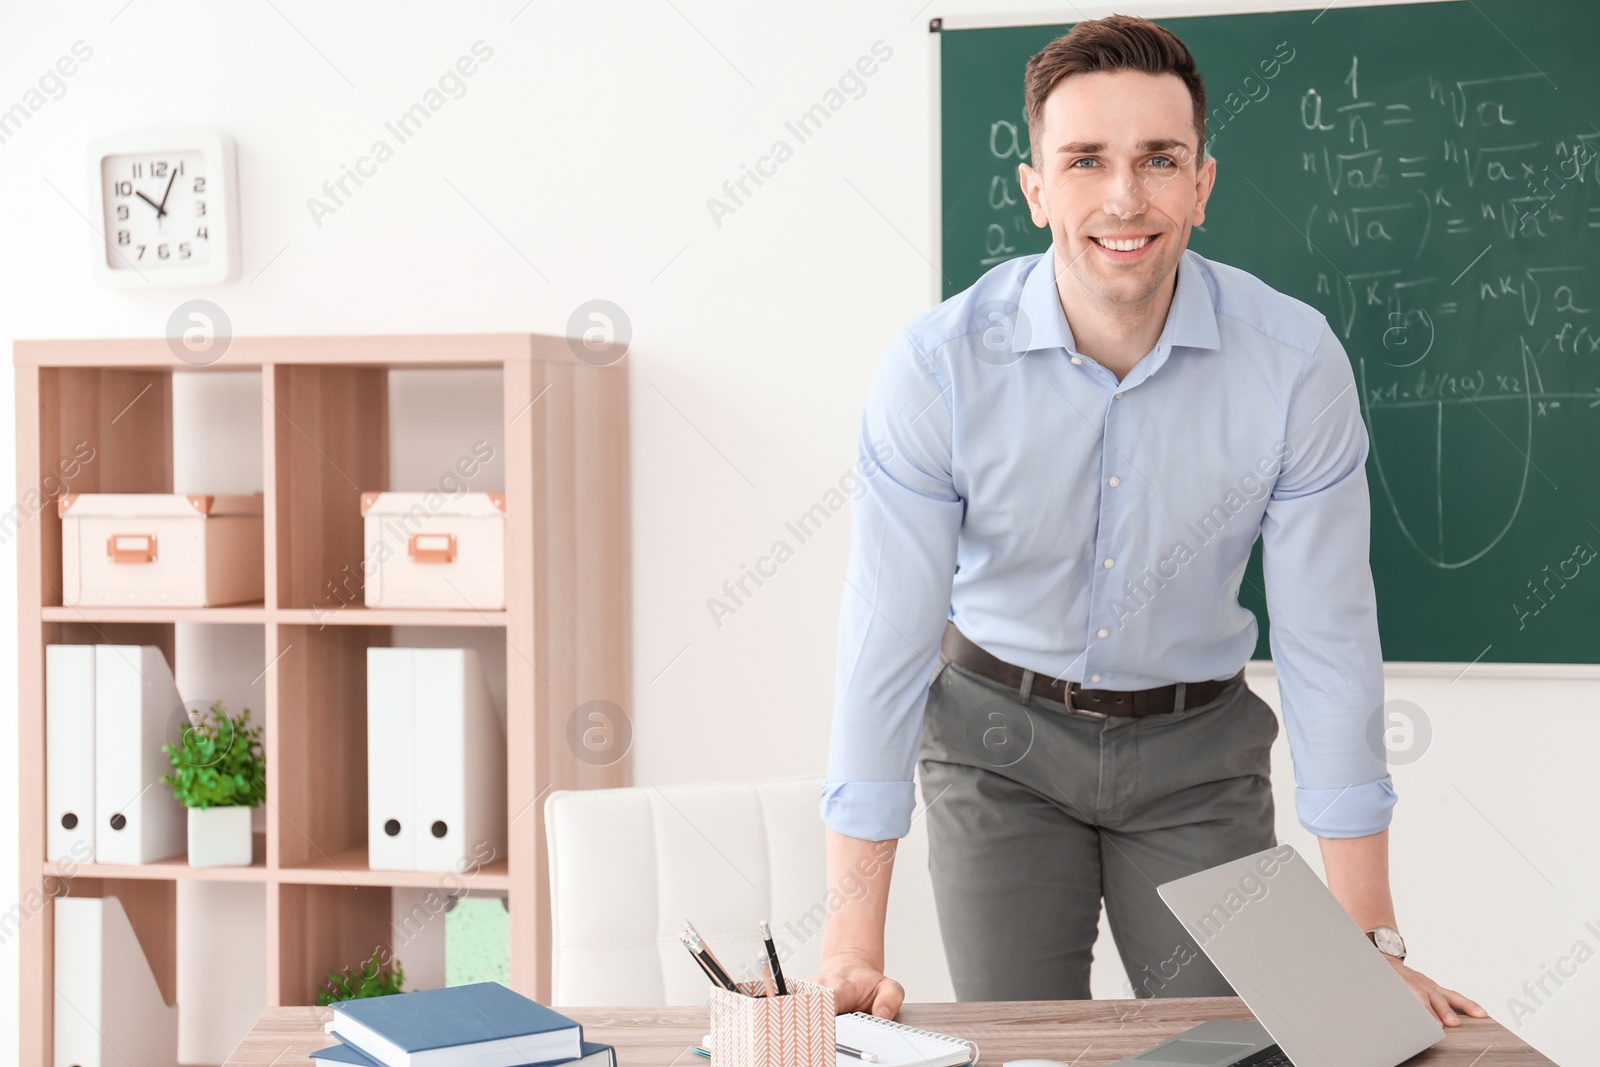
column 160, row 549
column 427, row 550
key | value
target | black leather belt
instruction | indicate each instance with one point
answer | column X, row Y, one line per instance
column 1136, row 703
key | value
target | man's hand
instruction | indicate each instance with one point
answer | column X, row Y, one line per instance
column 1358, row 875
column 860, row 986
column 1436, row 998
column 852, row 936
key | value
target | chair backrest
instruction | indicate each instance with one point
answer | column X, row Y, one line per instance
column 627, row 866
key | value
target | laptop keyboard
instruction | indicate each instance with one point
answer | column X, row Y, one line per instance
column 1271, row 1056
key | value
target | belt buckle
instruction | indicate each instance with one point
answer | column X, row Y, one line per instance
column 1066, row 701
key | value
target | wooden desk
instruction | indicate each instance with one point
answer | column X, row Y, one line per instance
column 1085, row 1033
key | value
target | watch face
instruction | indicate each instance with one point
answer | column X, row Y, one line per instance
column 1388, row 942
column 156, row 210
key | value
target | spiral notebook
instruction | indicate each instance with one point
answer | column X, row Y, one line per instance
column 898, row 1045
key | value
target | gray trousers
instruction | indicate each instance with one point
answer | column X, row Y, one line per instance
column 1035, row 813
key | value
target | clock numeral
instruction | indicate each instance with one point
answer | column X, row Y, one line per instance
column 141, row 252
column 204, row 233
column 122, row 212
column 183, row 250
column 199, row 208
column 158, row 169
column 123, row 188
column 199, row 185
column 162, row 252
column 124, row 237
column 138, row 170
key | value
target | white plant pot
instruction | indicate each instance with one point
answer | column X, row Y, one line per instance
column 219, row 837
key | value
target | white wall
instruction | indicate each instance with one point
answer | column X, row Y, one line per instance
column 577, row 166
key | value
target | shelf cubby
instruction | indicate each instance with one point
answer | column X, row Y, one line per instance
column 317, row 766
column 323, row 928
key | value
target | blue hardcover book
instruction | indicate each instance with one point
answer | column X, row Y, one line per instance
column 342, row 1053
column 594, row 1055
column 479, row 1025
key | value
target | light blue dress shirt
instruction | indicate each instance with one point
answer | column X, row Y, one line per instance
column 1102, row 527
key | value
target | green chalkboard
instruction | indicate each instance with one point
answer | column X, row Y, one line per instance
column 1428, row 176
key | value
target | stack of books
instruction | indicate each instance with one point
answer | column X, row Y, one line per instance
column 481, row 1025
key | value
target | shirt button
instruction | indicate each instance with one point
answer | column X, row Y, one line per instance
column 1113, row 481
column 1105, row 633
column 1094, row 677
column 1117, row 396
column 1110, row 563
column 1076, row 360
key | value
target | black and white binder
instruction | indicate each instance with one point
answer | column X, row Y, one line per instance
column 69, row 682
column 136, row 818
column 436, row 761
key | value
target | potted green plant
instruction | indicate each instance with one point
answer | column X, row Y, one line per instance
column 220, row 774
column 375, row 979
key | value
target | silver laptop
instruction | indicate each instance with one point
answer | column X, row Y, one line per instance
column 1322, row 995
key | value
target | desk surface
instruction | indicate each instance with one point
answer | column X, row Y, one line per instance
column 1085, row 1033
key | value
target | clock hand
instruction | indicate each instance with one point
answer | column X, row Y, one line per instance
column 168, row 192
column 152, row 203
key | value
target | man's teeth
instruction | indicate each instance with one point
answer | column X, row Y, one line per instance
column 1127, row 244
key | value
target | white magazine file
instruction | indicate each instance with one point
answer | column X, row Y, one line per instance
column 109, row 1011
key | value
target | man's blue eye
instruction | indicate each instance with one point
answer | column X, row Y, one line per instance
column 1163, row 160
column 1083, row 162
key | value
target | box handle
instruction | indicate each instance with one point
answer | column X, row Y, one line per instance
column 432, row 548
column 131, row 548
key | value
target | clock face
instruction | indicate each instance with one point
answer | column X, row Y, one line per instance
column 1388, row 941
column 156, row 210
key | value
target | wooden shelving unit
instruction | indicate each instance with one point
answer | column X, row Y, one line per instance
column 325, row 427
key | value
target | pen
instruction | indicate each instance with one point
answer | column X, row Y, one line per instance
column 772, row 958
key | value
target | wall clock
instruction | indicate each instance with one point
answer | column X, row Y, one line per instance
column 166, row 205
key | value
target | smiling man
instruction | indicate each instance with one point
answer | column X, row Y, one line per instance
column 1042, row 600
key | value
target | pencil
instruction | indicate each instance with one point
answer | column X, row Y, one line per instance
column 772, row 958
column 767, row 982
column 696, row 956
column 708, row 958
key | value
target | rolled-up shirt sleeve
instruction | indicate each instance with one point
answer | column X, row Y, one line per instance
column 1320, row 599
column 905, row 522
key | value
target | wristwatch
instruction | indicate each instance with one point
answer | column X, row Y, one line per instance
column 1388, row 941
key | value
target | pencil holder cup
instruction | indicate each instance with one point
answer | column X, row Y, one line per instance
column 795, row 1030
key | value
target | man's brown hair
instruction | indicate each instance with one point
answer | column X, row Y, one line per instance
column 1118, row 42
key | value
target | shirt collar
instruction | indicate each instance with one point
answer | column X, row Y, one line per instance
column 1191, row 320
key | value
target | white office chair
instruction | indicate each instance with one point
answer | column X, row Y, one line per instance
column 627, row 866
